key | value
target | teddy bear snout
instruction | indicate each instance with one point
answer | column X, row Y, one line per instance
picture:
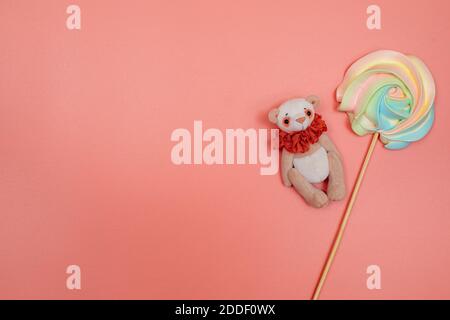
column 301, row 120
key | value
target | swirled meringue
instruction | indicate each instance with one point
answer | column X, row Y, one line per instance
column 390, row 93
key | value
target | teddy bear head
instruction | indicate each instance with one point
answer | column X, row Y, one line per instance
column 295, row 114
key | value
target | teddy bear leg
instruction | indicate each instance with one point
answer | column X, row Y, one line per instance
column 313, row 196
column 336, row 182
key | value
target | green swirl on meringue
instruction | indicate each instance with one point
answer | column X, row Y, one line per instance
column 389, row 93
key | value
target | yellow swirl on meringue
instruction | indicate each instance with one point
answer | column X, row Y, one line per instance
column 390, row 93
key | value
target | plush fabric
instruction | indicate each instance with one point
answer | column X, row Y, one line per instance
column 308, row 155
column 301, row 141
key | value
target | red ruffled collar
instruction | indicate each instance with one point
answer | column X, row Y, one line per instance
column 300, row 141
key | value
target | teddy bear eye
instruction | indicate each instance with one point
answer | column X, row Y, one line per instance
column 286, row 121
column 308, row 113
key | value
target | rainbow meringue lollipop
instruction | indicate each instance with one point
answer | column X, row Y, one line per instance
column 389, row 93
column 391, row 96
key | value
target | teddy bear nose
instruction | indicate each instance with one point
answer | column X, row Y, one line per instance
column 300, row 120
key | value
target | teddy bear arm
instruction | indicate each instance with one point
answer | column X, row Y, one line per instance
column 328, row 144
column 287, row 163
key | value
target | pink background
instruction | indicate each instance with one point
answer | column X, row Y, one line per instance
column 85, row 170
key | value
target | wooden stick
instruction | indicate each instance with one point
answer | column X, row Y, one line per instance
column 340, row 233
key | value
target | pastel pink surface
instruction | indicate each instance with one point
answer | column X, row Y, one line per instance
column 86, row 176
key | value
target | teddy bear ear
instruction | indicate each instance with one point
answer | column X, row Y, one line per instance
column 314, row 100
column 273, row 114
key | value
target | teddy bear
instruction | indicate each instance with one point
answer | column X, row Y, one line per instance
column 308, row 156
